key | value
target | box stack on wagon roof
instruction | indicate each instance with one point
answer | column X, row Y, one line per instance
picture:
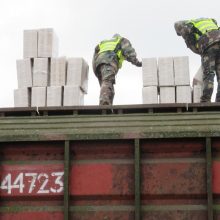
column 44, row 78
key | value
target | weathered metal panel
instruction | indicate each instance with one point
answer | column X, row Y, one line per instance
column 173, row 167
column 27, row 214
column 176, row 214
column 184, row 179
column 102, row 181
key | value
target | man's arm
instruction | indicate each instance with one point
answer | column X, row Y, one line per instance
column 191, row 43
column 194, row 49
column 129, row 52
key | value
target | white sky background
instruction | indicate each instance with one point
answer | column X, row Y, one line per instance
column 82, row 24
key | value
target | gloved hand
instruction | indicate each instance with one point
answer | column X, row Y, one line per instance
column 139, row 64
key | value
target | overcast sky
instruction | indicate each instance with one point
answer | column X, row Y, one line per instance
column 81, row 24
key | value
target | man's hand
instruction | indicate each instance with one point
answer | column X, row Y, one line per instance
column 139, row 64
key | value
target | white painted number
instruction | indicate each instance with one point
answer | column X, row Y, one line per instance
column 33, row 183
column 6, row 183
column 19, row 183
column 43, row 177
column 58, row 182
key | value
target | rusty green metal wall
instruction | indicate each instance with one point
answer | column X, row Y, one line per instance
column 156, row 125
column 65, row 130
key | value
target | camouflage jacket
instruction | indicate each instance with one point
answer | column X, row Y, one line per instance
column 208, row 39
column 110, row 57
column 187, row 31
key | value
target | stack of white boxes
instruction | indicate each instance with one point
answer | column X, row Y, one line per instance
column 166, row 80
column 44, row 79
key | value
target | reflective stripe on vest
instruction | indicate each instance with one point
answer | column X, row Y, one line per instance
column 110, row 45
column 203, row 26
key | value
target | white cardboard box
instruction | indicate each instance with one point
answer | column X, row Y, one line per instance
column 197, row 93
column 73, row 95
column 149, row 72
column 58, row 71
column 40, row 72
column 150, row 95
column 54, row 95
column 30, row 43
column 47, row 43
column 181, row 71
column 38, row 96
column 24, row 73
column 165, row 71
column 167, row 94
column 183, row 94
column 22, row 97
column 77, row 73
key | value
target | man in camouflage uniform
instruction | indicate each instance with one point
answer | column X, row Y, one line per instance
column 202, row 36
column 107, row 60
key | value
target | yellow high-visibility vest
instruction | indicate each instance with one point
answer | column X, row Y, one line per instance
column 110, row 45
column 203, row 25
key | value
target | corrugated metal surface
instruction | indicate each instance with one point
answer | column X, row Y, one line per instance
column 89, row 164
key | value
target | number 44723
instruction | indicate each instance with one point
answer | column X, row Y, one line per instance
column 34, row 183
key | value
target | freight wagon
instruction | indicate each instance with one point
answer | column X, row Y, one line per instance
column 137, row 162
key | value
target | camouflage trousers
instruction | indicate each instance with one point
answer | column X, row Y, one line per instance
column 211, row 67
column 106, row 76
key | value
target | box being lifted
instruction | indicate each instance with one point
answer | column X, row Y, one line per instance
column 197, row 93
